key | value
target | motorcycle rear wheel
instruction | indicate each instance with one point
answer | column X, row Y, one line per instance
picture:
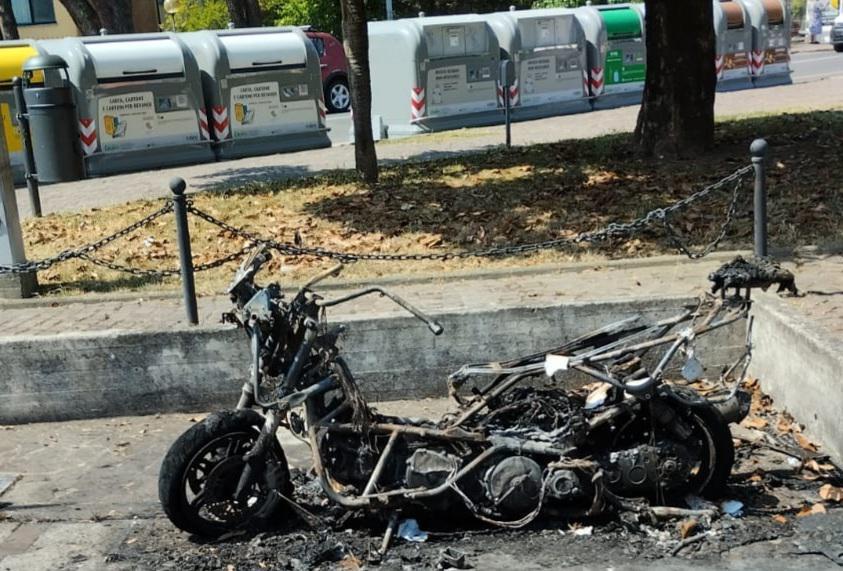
column 712, row 481
column 201, row 471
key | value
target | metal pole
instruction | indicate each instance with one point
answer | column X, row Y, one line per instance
column 505, row 72
column 389, row 13
column 11, row 238
column 758, row 150
column 28, row 157
column 177, row 185
column 506, row 106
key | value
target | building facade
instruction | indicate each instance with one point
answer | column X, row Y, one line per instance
column 45, row 19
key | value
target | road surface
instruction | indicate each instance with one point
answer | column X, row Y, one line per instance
column 808, row 66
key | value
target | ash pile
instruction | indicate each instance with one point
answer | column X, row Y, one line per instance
column 784, row 494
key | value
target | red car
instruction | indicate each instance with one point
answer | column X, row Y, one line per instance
column 334, row 70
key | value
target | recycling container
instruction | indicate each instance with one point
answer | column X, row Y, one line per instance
column 52, row 121
column 139, row 101
column 733, row 34
column 263, row 90
column 13, row 54
column 770, row 55
column 548, row 50
column 434, row 73
column 594, row 32
column 620, row 80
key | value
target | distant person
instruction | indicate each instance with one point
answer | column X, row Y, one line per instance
column 815, row 28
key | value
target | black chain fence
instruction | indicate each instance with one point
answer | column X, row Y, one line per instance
column 654, row 219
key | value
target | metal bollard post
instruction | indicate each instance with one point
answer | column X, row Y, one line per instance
column 758, row 150
column 507, row 71
column 178, row 186
column 28, row 156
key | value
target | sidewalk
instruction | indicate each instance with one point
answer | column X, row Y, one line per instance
column 93, row 193
column 820, row 275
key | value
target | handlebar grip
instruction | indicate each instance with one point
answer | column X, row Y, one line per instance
column 435, row 327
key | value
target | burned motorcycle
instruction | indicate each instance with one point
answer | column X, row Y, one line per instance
column 515, row 444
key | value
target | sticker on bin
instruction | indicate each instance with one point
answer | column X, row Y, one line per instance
column 258, row 109
column 131, row 121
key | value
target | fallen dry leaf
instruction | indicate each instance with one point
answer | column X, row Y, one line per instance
column 754, row 422
column 779, row 518
column 819, row 468
column 831, row 493
column 785, row 423
column 688, row 527
column 804, row 442
column 350, row 563
column 815, row 509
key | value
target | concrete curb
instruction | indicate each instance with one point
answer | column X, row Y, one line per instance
column 392, row 280
column 112, row 373
column 801, row 368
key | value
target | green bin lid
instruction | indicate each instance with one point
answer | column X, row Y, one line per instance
column 621, row 23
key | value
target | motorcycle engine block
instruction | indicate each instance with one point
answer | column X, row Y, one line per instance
column 644, row 469
column 513, row 485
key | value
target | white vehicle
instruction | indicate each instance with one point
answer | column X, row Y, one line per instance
column 837, row 33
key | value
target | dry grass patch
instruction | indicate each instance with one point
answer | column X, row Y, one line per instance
column 476, row 202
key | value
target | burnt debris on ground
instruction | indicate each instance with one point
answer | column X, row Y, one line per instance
column 782, row 488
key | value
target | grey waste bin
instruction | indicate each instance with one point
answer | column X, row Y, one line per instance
column 52, row 122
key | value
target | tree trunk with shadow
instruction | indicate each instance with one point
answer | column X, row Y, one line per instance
column 8, row 24
column 245, row 13
column 356, row 42
column 116, row 15
column 677, row 113
column 84, row 16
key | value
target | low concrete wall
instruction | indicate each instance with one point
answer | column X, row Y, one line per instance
column 111, row 373
column 802, row 369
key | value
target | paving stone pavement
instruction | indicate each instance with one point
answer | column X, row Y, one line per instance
column 99, row 192
column 819, row 275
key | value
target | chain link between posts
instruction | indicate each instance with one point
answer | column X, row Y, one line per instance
column 657, row 217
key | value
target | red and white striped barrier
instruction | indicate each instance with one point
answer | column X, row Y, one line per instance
column 222, row 126
column 88, row 136
column 514, row 94
column 719, row 65
column 756, row 62
column 203, row 124
column 418, row 105
column 323, row 111
column 596, row 80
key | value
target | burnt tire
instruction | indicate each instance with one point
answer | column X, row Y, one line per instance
column 194, row 464
column 724, row 450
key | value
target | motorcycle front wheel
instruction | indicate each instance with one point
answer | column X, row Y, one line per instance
column 201, row 471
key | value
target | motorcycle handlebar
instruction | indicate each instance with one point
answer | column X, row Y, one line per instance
column 434, row 326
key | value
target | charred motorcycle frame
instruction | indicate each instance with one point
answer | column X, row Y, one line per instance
column 515, row 443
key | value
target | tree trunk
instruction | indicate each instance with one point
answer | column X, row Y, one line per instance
column 84, row 16
column 245, row 13
column 8, row 24
column 117, row 16
column 253, row 13
column 356, row 42
column 677, row 113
